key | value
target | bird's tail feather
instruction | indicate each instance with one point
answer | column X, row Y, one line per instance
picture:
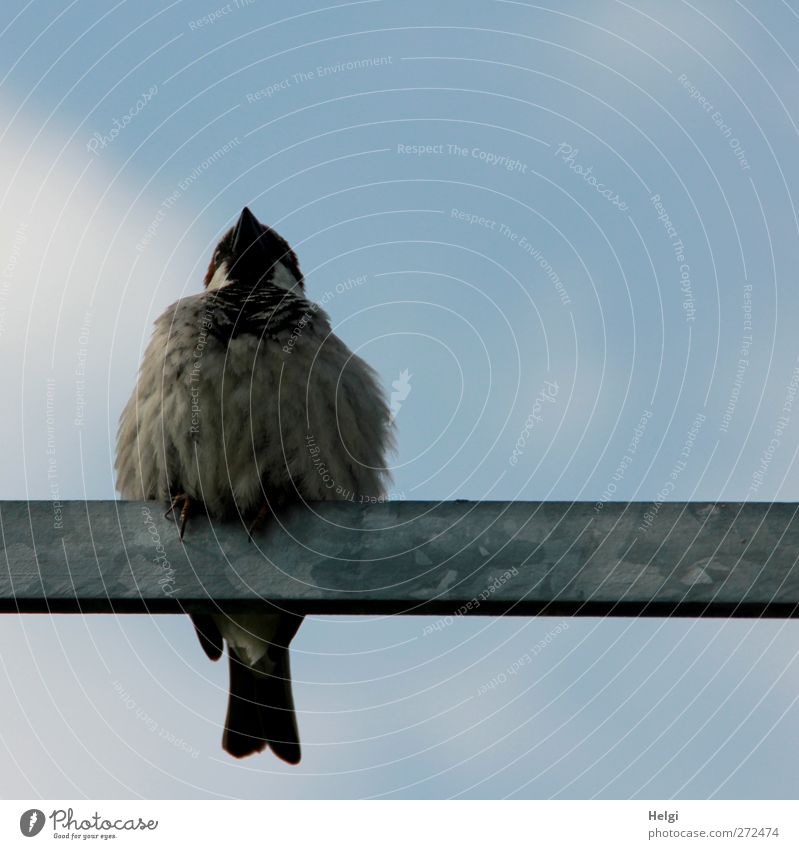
column 261, row 709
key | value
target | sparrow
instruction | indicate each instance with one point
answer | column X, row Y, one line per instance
column 246, row 403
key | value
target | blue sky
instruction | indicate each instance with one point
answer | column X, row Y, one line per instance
column 598, row 195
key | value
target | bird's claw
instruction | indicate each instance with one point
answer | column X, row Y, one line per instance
column 259, row 520
column 185, row 511
column 172, row 506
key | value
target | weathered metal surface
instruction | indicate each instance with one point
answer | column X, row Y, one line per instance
column 450, row 558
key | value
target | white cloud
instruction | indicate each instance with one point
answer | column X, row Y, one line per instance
column 77, row 301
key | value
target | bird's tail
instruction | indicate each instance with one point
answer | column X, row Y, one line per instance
column 260, row 709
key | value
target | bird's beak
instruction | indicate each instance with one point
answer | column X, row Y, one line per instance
column 246, row 235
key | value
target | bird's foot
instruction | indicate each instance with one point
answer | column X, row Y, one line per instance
column 258, row 522
column 186, row 504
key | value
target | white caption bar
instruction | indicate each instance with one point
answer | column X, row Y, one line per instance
column 401, row 824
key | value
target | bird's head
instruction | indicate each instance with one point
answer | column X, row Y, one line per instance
column 252, row 253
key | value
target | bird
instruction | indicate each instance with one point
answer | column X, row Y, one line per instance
column 246, row 403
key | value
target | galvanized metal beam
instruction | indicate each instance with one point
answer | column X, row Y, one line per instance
column 449, row 558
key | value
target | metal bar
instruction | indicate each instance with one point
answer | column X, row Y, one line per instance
column 411, row 557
